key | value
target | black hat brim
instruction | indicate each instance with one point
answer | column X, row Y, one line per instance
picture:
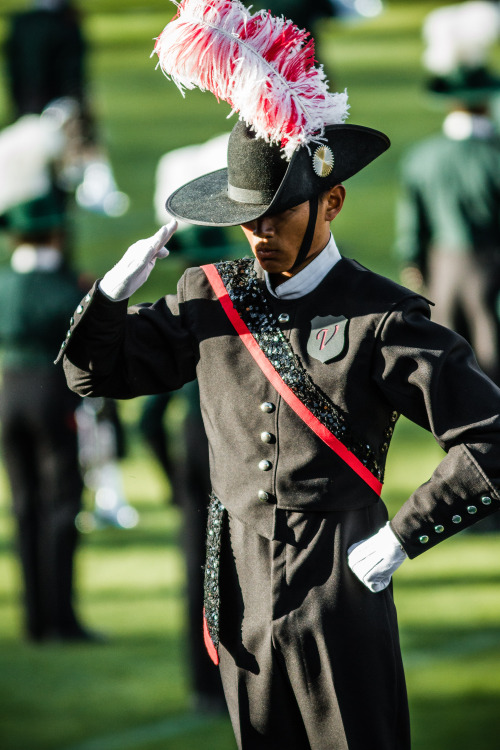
column 205, row 200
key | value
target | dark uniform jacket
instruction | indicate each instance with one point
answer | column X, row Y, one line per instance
column 388, row 359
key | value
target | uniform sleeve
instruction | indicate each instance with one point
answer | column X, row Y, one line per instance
column 430, row 375
column 117, row 352
column 412, row 229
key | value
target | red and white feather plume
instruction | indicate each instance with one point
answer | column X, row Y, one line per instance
column 262, row 65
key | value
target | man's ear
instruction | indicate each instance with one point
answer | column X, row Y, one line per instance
column 334, row 200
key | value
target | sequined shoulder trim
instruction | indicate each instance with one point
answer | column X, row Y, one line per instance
column 241, row 282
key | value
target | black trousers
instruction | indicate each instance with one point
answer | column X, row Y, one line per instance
column 465, row 289
column 309, row 657
column 41, row 458
column 189, row 474
column 191, row 481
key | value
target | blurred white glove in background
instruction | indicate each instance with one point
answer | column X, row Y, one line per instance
column 28, row 148
column 130, row 273
column 375, row 559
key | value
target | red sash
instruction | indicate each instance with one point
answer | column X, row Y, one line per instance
column 283, row 389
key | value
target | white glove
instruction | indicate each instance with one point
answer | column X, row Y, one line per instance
column 133, row 269
column 375, row 559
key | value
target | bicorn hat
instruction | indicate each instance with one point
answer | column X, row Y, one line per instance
column 259, row 181
column 291, row 142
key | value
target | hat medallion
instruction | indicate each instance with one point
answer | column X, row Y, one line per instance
column 323, row 161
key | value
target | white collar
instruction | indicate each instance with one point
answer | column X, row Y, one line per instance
column 310, row 276
column 459, row 126
column 27, row 258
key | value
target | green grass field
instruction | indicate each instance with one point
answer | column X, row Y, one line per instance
column 133, row 693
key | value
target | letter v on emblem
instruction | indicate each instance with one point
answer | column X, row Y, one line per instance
column 328, row 338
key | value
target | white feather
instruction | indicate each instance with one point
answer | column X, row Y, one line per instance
column 206, row 47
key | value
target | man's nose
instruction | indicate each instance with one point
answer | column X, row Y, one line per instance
column 263, row 227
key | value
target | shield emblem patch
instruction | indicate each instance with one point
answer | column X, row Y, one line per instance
column 328, row 337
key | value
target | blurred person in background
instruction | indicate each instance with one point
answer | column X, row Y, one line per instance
column 187, row 466
column 46, row 55
column 44, row 159
column 46, row 64
column 39, row 442
column 448, row 220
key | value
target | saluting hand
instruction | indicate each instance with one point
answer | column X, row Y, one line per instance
column 130, row 273
column 375, row 559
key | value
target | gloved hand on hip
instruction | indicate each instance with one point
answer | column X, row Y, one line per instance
column 375, row 559
column 130, row 273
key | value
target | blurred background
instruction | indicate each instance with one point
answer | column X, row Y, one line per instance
column 135, row 690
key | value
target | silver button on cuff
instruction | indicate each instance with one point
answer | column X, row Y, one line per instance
column 284, row 318
column 439, row 529
column 457, row 519
column 79, row 309
column 266, row 437
column 265, row 465
column 267, row 407
column 486, row 500
column 471, row 509
column 263, row 496
column 423, row 539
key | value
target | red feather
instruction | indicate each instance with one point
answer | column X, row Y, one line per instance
column 262, row 65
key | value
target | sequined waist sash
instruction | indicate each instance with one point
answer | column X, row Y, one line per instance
column 211, row 592
column 291, row 391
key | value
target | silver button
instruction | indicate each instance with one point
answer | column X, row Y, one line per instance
column 423, row 539
column 263, row 496
column 283, row 318
column 265, row 465
column 267, row 407
column 88, row 298
column 266, row 437
column 71, row 321
column 68, row 334
column 486, row 500
column 439, row 529
column 79, row 309
column 471, row 509
column 457, row 519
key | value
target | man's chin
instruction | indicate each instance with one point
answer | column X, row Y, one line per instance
column 272, row 265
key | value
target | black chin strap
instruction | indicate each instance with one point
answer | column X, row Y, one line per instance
column 309, row 233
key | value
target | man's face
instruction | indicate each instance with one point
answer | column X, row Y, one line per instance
column 276, row 240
